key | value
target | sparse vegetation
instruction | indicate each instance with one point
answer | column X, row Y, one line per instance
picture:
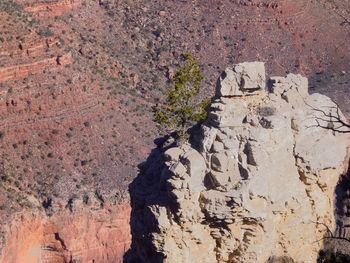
column 266, row 111
column 182, row 108
column 116, row 68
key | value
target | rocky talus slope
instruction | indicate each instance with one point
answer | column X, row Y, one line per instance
column 257, row 183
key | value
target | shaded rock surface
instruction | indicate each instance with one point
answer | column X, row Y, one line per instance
column 256, row 184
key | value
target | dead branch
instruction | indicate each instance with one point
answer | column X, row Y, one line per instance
column 331, row 235
column 334, row 121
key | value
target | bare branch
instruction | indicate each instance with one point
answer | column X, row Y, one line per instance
column 331, row 235
column 331, row 120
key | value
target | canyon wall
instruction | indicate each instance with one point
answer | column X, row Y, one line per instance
column 21, row 71
column 77, row 79
column 51, row 7
column 78, row 231
column 256, row 184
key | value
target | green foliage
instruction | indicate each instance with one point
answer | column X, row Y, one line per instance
column 46, row 32
column 11, row 7
column 182, row 108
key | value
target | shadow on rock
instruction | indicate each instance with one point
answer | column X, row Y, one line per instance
column 337, row 244
column 150, row 191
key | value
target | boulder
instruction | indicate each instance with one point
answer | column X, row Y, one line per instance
column 242, row 79
column 173, row 154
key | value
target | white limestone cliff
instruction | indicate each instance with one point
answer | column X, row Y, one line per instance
column 257, row 185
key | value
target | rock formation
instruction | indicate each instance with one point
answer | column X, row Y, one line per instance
column 21, row 71
column 93, row 228
column 257, row 183
column 78, row 78
column 51, row 8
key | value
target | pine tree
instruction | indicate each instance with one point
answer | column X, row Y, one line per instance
column 183, row 108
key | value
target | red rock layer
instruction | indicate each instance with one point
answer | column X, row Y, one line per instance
column 32, row 47
column 21, row 71
column 86, row 237
column 52, row 8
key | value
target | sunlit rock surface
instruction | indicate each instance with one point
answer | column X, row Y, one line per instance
column 257, row 183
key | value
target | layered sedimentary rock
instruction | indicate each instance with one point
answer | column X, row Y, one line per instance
column 86, row 231
column 52, row 7
column 21, row 71
column 66, row 127
column 256, row 184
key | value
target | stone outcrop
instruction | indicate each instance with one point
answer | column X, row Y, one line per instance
column 257, row 183
column 84, row 232
column 21, row 71
column 52, row 8
column 68, row 127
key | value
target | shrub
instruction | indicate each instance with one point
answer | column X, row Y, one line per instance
column 266, row 111
column 182, row 108
column 45, row 32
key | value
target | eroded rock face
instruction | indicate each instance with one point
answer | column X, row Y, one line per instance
column 86, row 236
column 51, row 8
column 258, row 185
